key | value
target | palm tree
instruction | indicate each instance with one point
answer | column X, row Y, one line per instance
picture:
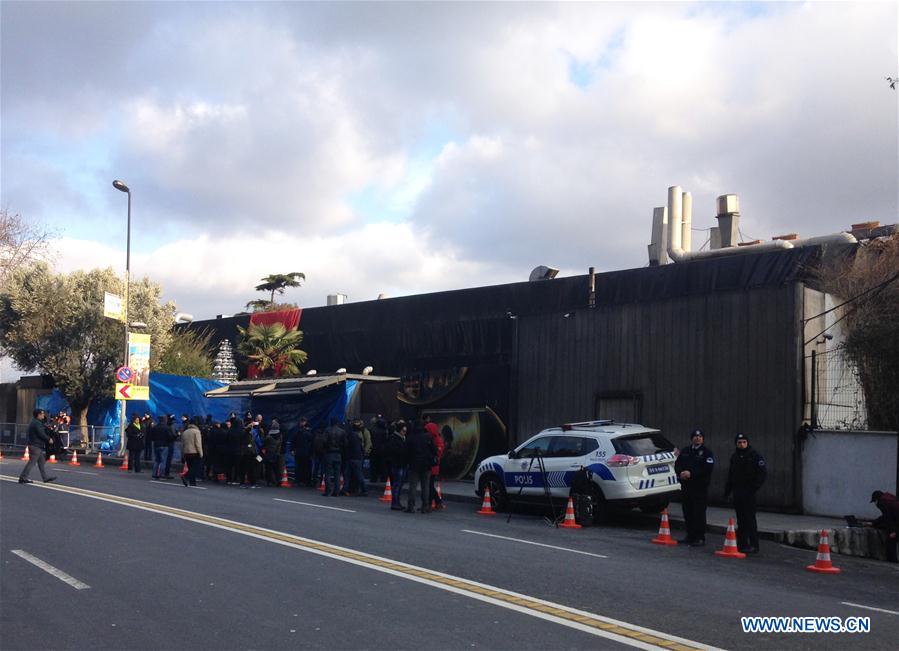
column 272, row 348
column 279, row 282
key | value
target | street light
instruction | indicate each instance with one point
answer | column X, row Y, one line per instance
column 121, row 187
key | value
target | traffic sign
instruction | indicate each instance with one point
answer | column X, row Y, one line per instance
column 125, row 391
column 124, row 374
column 112, row 306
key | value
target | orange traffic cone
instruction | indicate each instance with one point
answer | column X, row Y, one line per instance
column 664, row 537
column 99, row 463
column 388, row 493
column 1, row 455
column 440, row 497
column 730, row 543
column 285, row 482
column 822, row 561
column 74, row 461
column 52, row 459
column 220, row 477
column 570, row 522
column 26, row 456
column 486, row 507
column 184, row 469
column 125, row 463
column 324, row 487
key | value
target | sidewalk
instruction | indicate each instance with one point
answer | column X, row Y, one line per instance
column 790, row 529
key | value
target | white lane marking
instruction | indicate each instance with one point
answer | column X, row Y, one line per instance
column 49, row 569
column 373, row 562
column 317, row 506
column 879, row 610
column 165, row 483
column 80, row 472
column 529, row 542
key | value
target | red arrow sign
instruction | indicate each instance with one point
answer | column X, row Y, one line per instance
column 124, row 391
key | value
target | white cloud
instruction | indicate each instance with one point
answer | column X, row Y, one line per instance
column 205, row 276
column 290, row 132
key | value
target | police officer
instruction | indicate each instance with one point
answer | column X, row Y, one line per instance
column 694, row 467
column 745, row 476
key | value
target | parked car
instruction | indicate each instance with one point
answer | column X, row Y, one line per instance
column 629, row 466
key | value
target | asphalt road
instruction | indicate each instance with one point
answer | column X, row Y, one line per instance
column 224, row 568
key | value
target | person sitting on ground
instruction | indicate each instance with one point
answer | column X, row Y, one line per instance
column 888, row 522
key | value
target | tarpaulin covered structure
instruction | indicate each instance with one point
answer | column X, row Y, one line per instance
column 169, row 394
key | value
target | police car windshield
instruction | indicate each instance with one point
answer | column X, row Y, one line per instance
column 642, row 444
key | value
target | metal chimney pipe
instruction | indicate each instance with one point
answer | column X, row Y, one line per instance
column 658, row 250
column 686, row 236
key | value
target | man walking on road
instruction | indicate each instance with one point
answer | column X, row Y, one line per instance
column 745, row 476
column 694, row 468
column 37, row 441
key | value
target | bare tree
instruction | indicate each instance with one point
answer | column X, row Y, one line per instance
column 21, row 242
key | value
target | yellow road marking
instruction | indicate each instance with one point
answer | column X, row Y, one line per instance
column 619, row 631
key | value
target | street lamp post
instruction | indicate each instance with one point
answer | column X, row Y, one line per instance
column 121, row 187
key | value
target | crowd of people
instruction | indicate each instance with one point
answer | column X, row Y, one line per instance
column 247, row 451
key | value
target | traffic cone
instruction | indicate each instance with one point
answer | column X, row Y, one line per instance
column 74, row 461
column 569, row 522
column 125, row 463
column 439, row 495
column 26, row 456
column 486, row 507
column 388, row 493
column 664, row 537
column 184, row 469
column 52, row 459
column 730, row 543
column 99, row 463
column 324, row 487
column 220, row 477
column 822, row 561
column 285, row 482
column 1, row 455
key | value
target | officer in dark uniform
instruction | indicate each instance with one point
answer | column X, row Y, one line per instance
column 694, row 467
column 745, row 476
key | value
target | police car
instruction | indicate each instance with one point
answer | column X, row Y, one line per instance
column 629, row 465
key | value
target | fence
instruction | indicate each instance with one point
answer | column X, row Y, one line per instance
column 14, row 436
column 835, row 399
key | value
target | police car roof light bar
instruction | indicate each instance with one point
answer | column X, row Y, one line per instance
column 567, row 427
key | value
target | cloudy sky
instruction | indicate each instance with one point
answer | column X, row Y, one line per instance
column 403, row 148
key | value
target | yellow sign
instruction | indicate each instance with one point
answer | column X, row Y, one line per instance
column 112, row 306
column 139, row 358
column 125, row 391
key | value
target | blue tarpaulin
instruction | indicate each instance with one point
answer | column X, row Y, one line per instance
column 169, row 394
column 178, row 394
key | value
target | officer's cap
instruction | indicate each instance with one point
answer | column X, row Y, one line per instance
column 697, row 432
column 741, row 437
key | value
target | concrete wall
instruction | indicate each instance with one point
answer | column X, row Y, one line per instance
column 840, row 470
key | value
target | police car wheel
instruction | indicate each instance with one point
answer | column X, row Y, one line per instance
column 498, row 496
column 600, row 506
